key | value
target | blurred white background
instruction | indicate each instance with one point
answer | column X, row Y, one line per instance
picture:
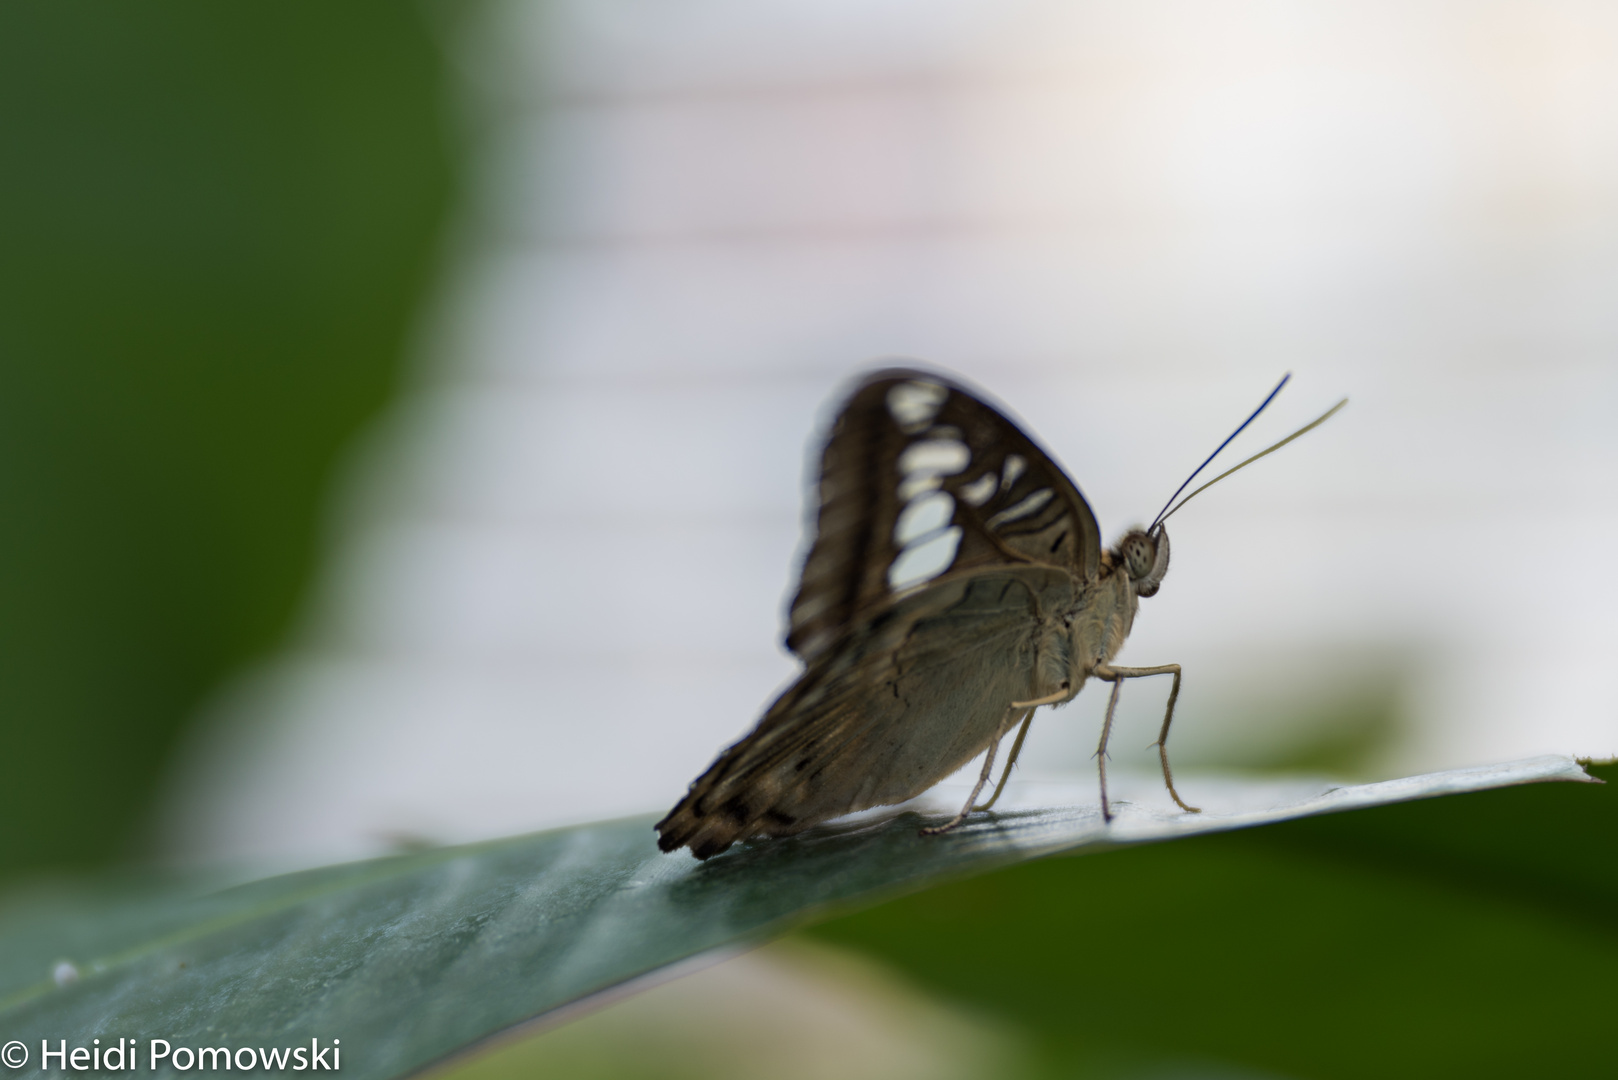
column 557, row 575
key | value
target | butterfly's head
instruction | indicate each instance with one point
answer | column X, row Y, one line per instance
column 1145, row 557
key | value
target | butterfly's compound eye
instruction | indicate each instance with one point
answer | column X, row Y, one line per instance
column 1158, row 545
column 1140, row 555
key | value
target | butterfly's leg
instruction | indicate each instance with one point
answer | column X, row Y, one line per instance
column 1162, row 743
column 1064, row 694
column 983, row 778
column 1061, row 696
column 1106, row 733
column 1016, row 748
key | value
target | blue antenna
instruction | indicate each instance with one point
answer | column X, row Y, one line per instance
column 1264, row 405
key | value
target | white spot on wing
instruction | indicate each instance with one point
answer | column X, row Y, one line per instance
column 923, row 528
column 923, row 516
column 926, row 560
column 1030, row 505
column 1015, row 467
column 914, row 404
column 917, row 484
column 936, row 456
column 978, row 491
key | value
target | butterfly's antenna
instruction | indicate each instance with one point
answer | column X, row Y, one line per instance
column 1163, row 513
column 1321, row 419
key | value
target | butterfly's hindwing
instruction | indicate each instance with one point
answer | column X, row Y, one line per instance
column 915, row 690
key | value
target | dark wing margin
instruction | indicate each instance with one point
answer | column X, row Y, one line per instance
column 911, row 450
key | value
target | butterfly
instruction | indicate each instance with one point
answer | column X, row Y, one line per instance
column 955, row 584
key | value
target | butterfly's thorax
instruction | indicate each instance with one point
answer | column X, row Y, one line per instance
column 1101, row 621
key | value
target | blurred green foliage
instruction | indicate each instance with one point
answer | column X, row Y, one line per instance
column 216, row 224
column 1469, row 936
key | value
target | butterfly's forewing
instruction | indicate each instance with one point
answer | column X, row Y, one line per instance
column 910, row 673
column 905, row 437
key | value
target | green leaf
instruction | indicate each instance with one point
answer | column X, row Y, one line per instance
column 1465, row 937
column 409, row 959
